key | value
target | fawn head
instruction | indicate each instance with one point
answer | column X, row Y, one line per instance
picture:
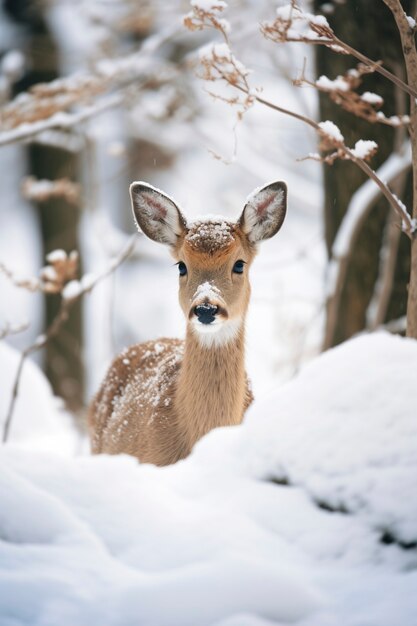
column 213, row 254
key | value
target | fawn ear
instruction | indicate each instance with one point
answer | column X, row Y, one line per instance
column 264, row 212
column 156, row 214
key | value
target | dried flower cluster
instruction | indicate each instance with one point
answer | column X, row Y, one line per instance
column 217, row 62
column 61, row 269
column 206, row 15
column 293, row 24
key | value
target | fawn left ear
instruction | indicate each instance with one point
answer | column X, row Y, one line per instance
column 156, row 214
column 264, row 212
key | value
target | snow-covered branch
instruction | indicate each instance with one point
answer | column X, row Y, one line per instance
column 227, row 68
column 343, row 91
column 63, row 120
column 47, row 105
column 292, row 24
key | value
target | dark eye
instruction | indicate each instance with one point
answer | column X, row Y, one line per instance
column 182, row 268
column 238, row 267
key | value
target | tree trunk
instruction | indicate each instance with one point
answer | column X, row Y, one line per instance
column 370, row 28
column 59, row 220
column 408, row 44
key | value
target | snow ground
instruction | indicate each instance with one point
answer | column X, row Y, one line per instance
column 305, row 514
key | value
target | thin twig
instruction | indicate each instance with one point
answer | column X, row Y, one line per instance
column 377, row 66
column 8, row 329
column 57, row 323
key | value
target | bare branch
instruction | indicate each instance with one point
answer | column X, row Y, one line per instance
column 12, row 329
column 31, row 284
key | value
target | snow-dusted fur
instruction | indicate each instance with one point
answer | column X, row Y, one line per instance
column 160, row 397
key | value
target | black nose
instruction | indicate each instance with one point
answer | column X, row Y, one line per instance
column 206, row 313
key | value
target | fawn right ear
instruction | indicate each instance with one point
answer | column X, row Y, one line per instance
column 156, row 214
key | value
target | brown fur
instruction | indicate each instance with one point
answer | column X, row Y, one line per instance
column 160, row 397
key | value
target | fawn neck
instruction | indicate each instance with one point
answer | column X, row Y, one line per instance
column 212, row 385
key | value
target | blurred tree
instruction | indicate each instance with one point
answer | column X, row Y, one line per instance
column 59, row 219
column 370, row 28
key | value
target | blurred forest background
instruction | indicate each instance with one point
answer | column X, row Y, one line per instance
column 97, row 93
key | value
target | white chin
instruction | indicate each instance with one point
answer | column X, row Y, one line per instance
column 217, row 333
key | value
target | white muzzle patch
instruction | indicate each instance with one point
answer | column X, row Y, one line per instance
column 218, row 333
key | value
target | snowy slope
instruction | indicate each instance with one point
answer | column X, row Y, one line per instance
column 300, row 515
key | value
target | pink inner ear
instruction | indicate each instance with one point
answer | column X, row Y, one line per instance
column 158, row 209
column 262, row 207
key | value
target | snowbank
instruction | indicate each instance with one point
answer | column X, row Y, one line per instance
column 39, row 421
column 306, row 514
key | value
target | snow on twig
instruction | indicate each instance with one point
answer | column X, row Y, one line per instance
column 74, row 293
column 9, row 328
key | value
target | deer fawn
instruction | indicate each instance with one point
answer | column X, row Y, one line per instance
column 160, row 397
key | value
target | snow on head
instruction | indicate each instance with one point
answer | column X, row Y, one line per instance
column 210, row 233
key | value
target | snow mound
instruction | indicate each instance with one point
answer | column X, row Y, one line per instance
column 306, row 513
column 39, row 420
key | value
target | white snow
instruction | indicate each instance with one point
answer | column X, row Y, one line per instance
column 72, row 290
column 300, row 22
column 56, row 256
column 338, row 83
column 220, row 53
column 209, row 5
column 302, row 514
column 13, row 64
column 411, row 21
column 363, row 148
column 331, row 130
column 38, row 423
column 372, row 98
column 206, row 290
